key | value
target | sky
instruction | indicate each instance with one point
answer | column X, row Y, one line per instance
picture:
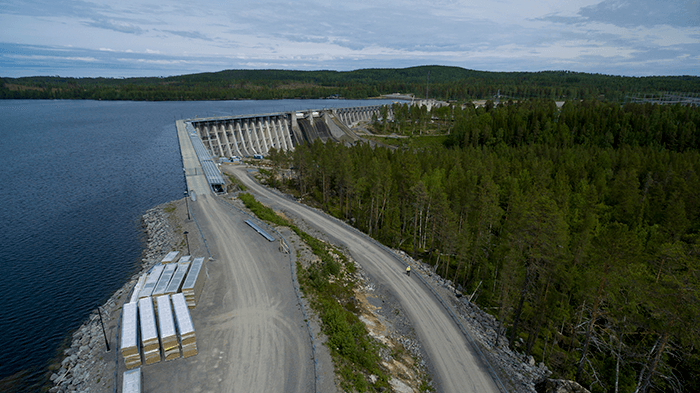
column 127, row 38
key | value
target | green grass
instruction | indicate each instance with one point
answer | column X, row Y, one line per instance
column 237, row 182
column 263, row 212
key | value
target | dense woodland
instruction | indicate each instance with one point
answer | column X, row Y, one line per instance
column 446, row 83
column 577, row 227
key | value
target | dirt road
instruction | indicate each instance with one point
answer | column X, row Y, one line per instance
column 251, row 333
column 458, row 369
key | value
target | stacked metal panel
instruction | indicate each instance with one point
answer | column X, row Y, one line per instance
column 166, row 327
column 137, row 288
column 170, row 257
column 131, row 381
column 149, row 332
column 192, row 287
column 130, row 342
column 163, row 282
column 185, row 328
column 151, row 281
column 186, row 258
column 178, row 278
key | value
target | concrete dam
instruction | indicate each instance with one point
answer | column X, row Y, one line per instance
column 249, row 135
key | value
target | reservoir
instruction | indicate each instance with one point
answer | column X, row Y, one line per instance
column 75, row 178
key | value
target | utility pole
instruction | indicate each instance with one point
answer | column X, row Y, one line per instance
column 103, row 328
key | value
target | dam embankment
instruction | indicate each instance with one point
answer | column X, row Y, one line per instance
column 83, row 361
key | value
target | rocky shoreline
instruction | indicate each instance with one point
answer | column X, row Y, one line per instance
column 87, row 366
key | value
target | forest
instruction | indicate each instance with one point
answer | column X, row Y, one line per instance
column 577, row 227
column 440, row 82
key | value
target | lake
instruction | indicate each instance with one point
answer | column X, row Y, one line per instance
column 75, row 177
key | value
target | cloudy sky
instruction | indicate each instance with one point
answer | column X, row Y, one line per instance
column 161, row 38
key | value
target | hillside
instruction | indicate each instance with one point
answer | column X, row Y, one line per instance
column 446, row 83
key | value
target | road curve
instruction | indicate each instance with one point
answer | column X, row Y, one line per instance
column 457, row 367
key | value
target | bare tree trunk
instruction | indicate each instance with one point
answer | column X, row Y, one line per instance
column 589, row 330
column 651, row 369
column 415, row 232
column 617, row 364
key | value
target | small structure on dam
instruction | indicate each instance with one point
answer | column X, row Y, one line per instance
column 246, row 136
column 211, row 172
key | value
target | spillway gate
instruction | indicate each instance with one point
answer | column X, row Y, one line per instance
column 250, row 135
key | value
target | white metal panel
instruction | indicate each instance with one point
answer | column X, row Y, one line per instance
column 182, row 314
column 151, row 281
column 194, row 272
column 164, row 279
column 137, row 288
column 148, row 320
column 178, row 278
column 129, row 326
column 170, row 257
column 166, row 325
column 131, row 381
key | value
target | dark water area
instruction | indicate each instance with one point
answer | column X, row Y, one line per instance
column 75, row 178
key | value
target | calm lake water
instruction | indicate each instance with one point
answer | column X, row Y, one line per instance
column 75, row 178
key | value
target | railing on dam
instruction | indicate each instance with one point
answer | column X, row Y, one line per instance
column 246, row 136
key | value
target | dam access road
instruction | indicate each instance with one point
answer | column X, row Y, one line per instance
column 256, row 339
column 251, row 333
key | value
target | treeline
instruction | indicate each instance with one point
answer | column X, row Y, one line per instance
column 586, row 249
column 587, row 123
column 446, row 83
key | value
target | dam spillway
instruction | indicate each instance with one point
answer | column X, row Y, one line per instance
column 251, row 135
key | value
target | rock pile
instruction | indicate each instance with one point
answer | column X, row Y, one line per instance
column 87, row 366
column 161, row 237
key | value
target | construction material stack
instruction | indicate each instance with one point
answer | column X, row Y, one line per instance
column 192, row 287
column 137, row 288
column 185, row 328
column 171, row 257
column 178, row 277
column 151, row 281
column 130, row 345
column 163, row 282
column 131, row 381
column 149, row 333
column 166, row 327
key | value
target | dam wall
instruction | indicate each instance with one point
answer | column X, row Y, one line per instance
column 250, row 135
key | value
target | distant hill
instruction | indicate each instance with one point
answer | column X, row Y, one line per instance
column 446, row 83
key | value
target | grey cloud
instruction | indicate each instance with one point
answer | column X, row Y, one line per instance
column 69, row 8
column 188, row 34
column 121, row 27
column 627, row 13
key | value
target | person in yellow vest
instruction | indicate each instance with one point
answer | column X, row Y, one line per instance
column 408, row 271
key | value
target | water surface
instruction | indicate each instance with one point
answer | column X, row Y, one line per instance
column 75, row 178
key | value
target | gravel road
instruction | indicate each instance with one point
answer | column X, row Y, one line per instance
column 457, row 367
